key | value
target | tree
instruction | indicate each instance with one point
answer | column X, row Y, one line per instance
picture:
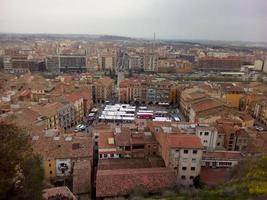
column 242, row 104
column 197, row 182
column 21, row 174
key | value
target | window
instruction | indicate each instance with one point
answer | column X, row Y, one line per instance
column 191, row 177
column 200, row 133
column 185, row 151
column 184, row 168
column 49, row 165
column 193, row 168
column 194, row 151
column 218, row 144
column 183, row 177
column 194, row 160
column 112, row 155
column 177, row 150
column 206, row 133
column 205, row 141
column 50, row 172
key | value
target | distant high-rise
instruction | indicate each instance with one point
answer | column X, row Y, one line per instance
column 258, row 65
column 265, row 66
column 231, row 63
column 63, row 63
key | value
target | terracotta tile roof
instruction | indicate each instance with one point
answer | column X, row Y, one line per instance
column 196, row 95
column 105, row 81
column 257, row 144
column 56, row 147
column 205, row 105
column 223, row 155
column 73, row 97
column 186, row 141
column 123, row 138
column 62, row 191
column 213, row 176
column 25, row 117
column 81, row 177
column 103, row 140
column 133, row 163
column 111, row 183
column 49, row 109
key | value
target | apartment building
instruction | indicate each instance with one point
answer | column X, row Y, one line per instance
column 49, row 113
column 77, row 102
column 108, row 61
column 221, row 159
column 102, row 89
column 147, row 91
column 208, row 136
column 188, row 97
column 231, row 94
column 231, row 63
column 64, row 158
column 134, row 62
column 236, row 138
column 258, row 109
column 180, row 151
column 125, row 143
column 184, row 154
column 66, row 115
column 149, row 62
column 173, row 65
column 66, row 63
column 204, row 108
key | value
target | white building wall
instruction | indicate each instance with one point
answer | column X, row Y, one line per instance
column 208, row 136
column 187, row 165
column 265, row 66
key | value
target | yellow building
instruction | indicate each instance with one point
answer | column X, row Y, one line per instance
column 173, row 94
column 50, row 169
column 248, row 121
column 49, row 113
column 233, row 99
column 263, row 114
column 232, row 93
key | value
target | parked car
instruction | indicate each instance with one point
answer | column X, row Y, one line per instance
column 79, row 127
column 258, row 128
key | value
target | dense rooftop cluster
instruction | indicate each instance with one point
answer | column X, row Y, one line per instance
column 110, row 118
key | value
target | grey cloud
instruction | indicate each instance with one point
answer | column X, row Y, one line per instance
column 185, row 19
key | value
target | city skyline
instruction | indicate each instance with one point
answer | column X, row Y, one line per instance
column 188, row 20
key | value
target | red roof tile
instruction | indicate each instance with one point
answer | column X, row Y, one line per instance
column 186, row 141
column 124, row 163
column 223, row 155
column 72, row 97
column 213, row 177
column 111, row 183
column 205, row 105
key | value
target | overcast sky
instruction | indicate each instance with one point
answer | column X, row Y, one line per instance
column 244, row 20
